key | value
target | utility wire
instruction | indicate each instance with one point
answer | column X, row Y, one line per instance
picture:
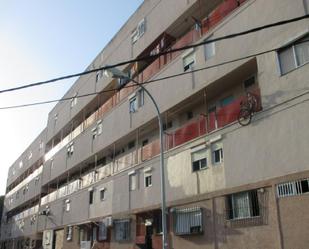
column 150, row 81
column 275, row 24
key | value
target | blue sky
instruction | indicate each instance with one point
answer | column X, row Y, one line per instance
column 40, row 40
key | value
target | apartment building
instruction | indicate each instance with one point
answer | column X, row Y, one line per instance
column 93, row 175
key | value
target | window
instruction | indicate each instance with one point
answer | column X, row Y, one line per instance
column 167, row 125
column 55, row 119
column 139, row 31
column 67, row 205
column 131, row 145
column 94, row 133
column 70, row 149
column 217, row 153
column 145, row 142
column 243, row 205
column 69, row 233
column 122, row 230
column 41, row 145
column 21, row 164
column 99, row 127
column 36, row 180
column 102, row 232
column 188, row 221
column 294, row 55
column 132, row 181
column 74, row 100
column 189, row 115
column 227, row 100
column 210, row 50
column 249, row 82
column 293, row 188
column 133, row 105
column 148, row 178
column 30, row 155
column 98, row 75
column 102, row 194
column 140, row 96
column 91, row 197
column 188, row 61
column 199, row 159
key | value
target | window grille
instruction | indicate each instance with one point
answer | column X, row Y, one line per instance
column 188, row 221
column 293, row 188
column 122, row 230
column 243, row 205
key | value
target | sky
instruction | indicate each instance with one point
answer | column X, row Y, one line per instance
column 40, row 40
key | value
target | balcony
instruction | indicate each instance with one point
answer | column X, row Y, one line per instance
column 207, row 24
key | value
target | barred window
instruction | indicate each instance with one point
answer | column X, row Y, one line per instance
column 293, row 188
column 243, row 205
column 122, row 230
column 188, row 221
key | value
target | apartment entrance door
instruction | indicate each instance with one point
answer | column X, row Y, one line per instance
column 149, row 232
column 58, row 239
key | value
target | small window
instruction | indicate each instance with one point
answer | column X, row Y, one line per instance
column 122, row 230
column 188, row 61
column 67, row 205
column 294, row 55
column 145, row 142
column 98, row 75
column 226, row 101
column 243, row 205
column 99, row 127
column 217, row 153
column 131, row 145
column 36, row 180
column 133, row 104
column 30, row 155
column 94, row 133
column 199, row 160
column 91, row 197
column 141, row 96
column 148, row 179
column 167, row 125
column 70, row 149
column 188, row 221
column 133, row 182
column 102, row 194
column 21, row 164
column 210, row 50
column 69, row 233
column 189, row 115
column 249, row 82
column 74, row 100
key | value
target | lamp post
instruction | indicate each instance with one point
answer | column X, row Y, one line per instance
column 117, row 74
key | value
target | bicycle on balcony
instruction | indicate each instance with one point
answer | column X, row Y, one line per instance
column 248, row 107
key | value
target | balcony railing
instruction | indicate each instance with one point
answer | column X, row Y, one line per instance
column 214, row 18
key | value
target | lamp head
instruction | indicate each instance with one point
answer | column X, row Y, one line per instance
column 115, row 73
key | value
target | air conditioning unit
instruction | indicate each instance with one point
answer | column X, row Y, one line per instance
column 108, row 221
column 85, row 244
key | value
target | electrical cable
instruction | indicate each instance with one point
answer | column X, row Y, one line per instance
column 230, row 36
column 146, row 82
column 150, row 81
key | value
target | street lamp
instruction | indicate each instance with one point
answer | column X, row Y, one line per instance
column 124, row 79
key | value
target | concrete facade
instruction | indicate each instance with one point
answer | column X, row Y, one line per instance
column 93, row 176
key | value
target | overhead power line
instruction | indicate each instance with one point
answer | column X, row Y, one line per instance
column 150, row 81
column 275, row 24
